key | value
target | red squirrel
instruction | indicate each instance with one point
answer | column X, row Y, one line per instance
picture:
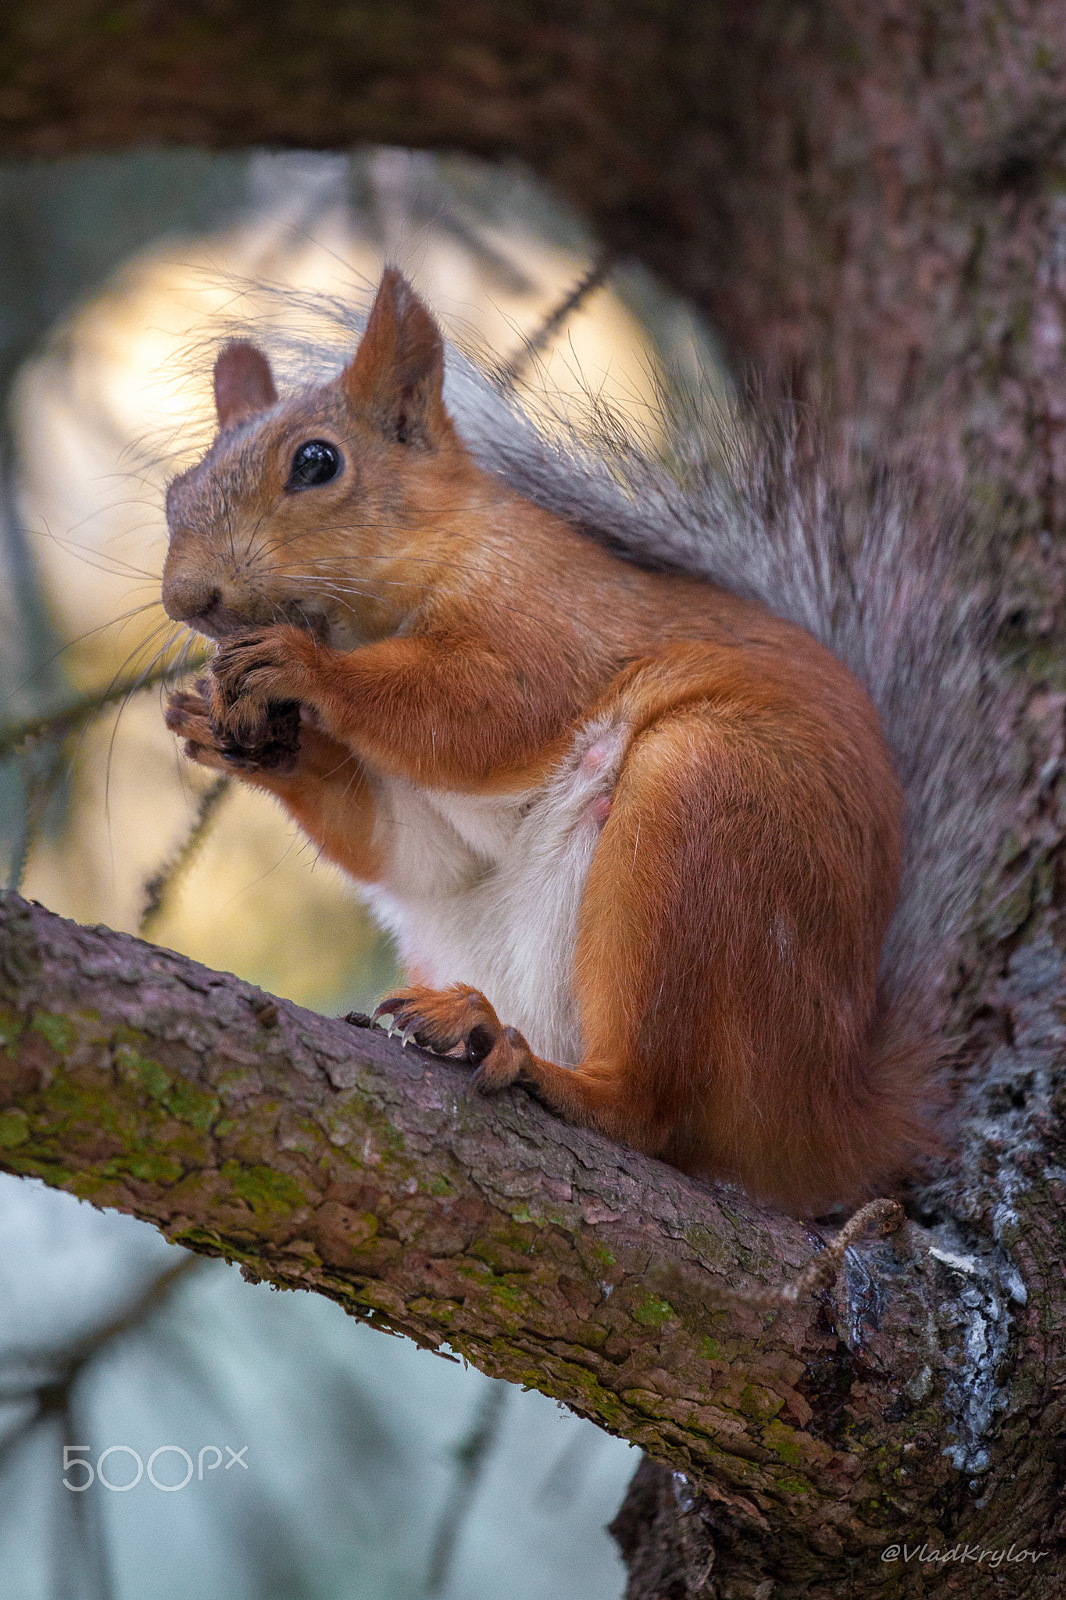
column 637, row 837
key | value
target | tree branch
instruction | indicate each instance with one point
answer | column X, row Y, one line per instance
column 328, row 1158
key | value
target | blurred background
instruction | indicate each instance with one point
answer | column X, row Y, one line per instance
column 371, row 1469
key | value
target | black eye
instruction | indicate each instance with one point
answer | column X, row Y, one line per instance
column 314, row 462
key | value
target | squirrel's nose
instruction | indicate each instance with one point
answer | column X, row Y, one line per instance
column 199, row 603
column 187, row 597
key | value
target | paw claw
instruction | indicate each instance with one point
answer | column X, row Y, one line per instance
column 459, row 1023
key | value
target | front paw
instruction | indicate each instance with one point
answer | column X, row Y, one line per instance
column 256, row 674
column 272, row 746
column 459, row 1022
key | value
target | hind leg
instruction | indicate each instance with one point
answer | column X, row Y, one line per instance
column 459, row 1021
column 724, row 969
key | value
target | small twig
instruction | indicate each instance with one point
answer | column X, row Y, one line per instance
column 53, row 1393
column 37, row 788
column 470, row 1458
column 597, row 273
column 153, row 1296
column 57, row 1406
column 822, row 1269
column 162, row 882
column 87, row 1522
column 57, row 724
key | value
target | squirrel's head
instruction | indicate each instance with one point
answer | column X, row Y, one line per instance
column 322, row 509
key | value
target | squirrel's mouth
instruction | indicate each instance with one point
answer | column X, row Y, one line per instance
column 219, row 622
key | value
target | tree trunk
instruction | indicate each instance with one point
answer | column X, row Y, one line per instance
column 868, row 202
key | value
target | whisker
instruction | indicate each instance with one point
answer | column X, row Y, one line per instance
column 90, row 633
column 143, row 680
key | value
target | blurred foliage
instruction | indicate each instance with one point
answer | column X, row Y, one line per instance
column 66, row 228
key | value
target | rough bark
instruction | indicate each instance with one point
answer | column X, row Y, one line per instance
column 328, row 1158
column 868, row 198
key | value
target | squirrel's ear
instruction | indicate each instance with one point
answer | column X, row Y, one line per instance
column 397, row 373
column 244, row 383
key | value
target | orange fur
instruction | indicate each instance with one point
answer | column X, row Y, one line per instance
column 451, row 641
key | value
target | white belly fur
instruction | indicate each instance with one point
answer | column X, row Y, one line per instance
column 485, row 889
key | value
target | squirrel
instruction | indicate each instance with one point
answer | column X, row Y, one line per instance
column 599, row 745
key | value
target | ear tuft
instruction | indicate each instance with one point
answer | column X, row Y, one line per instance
column 244, row 383
column 396, row 376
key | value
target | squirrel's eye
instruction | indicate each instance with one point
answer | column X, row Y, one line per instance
column 313, row 463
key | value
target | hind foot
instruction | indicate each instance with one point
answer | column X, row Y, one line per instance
column 459, row 1022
